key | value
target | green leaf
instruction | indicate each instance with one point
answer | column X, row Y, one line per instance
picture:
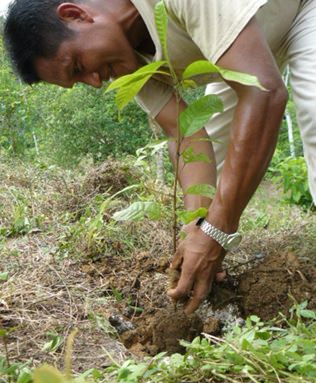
column 161, row 19
column 53, row 344
column 189, row 156
column 48, row 374
column 197, row 114
column 4, row 276
column 188, row 216
column 25, row 377
column 241, row 78
column 254, row 318
column 138, row 211
column 157, row 145
column 202, row 67
column 128, row 86
column 126, row 94
column 204, row 190
column 308, row 314
column 144, row 71
column 199, row 67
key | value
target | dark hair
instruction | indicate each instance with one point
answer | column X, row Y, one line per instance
column 33, row 30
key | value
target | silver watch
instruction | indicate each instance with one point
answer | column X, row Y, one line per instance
column 227, row 241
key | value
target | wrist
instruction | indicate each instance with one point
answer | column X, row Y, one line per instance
column 225, row 240
column 223, row 218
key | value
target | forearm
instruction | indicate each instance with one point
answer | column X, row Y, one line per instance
column 254, row 135
column 199, row 172
column 193, row 173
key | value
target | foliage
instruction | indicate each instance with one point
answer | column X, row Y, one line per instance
column 297, row 332
column 283, row 351
column 83, row 122
column 94, row 229
column 65, row 125
column 189, row 121
column 292, row 174
column 22, row 220
column 16, row 372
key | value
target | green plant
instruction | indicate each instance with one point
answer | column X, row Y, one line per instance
column 22, row 219
column 282, row 351
column 12, row 371
column 292, row 173
column 54, row 343
column 189, row 121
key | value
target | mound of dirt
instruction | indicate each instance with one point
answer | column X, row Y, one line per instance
column 110, row 175
column 147, row 322
column 267, row 288
column 143, row 316
column 162, row 332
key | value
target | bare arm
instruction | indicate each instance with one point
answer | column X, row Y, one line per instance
column 195, row 172
column 255, row 126
column 253, row 138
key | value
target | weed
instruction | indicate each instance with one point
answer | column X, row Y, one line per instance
column 293, row 176
column 54, row 343
column 280, row 351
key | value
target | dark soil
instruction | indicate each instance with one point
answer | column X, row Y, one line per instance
column 148, row 322
column 162, row 332
column 274, row 285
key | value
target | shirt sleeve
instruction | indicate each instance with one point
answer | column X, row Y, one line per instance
column 213, row 25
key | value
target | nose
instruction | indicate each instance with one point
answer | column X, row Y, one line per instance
column 92, row 79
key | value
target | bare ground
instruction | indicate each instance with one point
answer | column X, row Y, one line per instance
column 47, row 294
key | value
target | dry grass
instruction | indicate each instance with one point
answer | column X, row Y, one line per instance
column 47, row 293
column 42, row 296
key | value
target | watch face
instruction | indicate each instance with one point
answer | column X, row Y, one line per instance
column 233, row 241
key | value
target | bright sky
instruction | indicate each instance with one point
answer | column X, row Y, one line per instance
column 4, row 5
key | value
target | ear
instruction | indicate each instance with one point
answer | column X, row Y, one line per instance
column 73, row 12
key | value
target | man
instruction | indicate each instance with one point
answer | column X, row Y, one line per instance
column 90, row 41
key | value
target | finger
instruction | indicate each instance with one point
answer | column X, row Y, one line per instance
column 184, row 285
column 221, row 276
column 201, row 289
column 177, row 259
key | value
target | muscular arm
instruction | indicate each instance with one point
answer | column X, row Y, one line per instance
column 255, row 126
column 253, row 134
column 253, row 138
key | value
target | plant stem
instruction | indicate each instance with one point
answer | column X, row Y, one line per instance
column 175, row 186
column 4, row 338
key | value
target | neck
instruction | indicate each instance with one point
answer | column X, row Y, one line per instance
column 131, row 22
column 133, row 25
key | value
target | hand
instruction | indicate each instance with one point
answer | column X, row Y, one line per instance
column 198, row 258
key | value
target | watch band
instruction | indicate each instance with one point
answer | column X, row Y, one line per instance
column 213, row 232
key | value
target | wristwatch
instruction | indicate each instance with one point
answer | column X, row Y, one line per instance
column 227, row 241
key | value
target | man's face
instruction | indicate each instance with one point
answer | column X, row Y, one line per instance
column 99, row 50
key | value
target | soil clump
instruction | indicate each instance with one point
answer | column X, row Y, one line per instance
column 275, row 284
